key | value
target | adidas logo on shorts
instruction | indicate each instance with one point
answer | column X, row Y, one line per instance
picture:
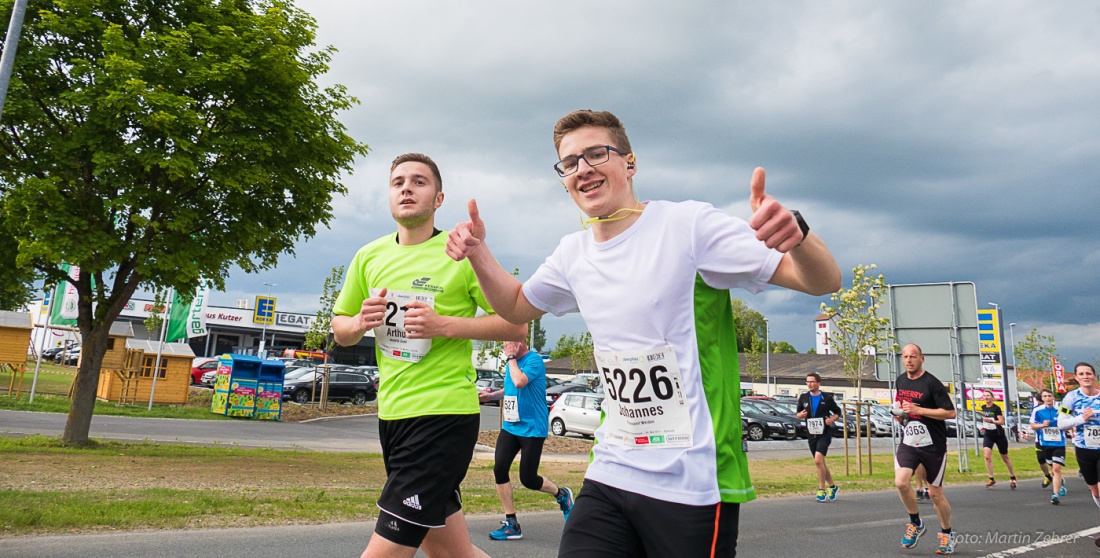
column 412, row 501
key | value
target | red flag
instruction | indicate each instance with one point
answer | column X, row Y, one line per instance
column 1059, row 375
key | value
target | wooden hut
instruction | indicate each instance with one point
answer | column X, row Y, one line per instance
column 131, row 379
column 15, row 338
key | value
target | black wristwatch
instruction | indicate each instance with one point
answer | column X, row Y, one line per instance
column 509, row 357
column 802, row 226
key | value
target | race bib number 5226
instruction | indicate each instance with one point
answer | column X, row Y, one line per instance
column 646, row 406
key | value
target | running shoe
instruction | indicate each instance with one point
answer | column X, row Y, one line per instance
column 566, row 502
column 947, row 543
column 509, row 531
column 832, row 492
column 927, row 496
column 1047, row 481
column 1062, row 491
column 821, row 495
column 1055, row 500
column 1012, row 483
column 990, row 483
column 912, row 533
column 920, row 495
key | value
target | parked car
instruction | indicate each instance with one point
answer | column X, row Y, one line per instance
column 209, row 377
column 486, row 373
column 343, row 386
column 778, row 409
column 882, row 421
column 553, row 393
column 202, row 368
column 489, row 385
column 53, row 353
column 760, row 426
column 587, row 379
column 576, row 412
column 70, row 357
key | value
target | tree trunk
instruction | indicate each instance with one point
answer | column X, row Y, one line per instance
column 79, row 422
column 95, row 332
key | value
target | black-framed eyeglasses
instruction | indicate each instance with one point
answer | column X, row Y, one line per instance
column 593, row 156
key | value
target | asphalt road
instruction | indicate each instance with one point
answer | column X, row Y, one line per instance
column 995, row 522
column 992, row 523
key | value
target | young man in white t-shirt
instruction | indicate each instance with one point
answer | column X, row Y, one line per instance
column 651, row 281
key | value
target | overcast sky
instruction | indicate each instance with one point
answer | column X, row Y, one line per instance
column 943, row 141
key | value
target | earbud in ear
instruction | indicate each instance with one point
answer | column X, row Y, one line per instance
column 629, row 166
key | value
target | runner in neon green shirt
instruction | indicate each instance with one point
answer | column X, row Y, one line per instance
column 422, row 307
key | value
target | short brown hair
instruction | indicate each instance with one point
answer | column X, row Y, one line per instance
column 815, row 376
column 420, row 158
column 599, row 119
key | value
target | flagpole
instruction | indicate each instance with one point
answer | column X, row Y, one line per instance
column 160, row 345
column 42, row 345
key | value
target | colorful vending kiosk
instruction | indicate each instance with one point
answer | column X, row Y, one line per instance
column 236, row 386
column 269, row 397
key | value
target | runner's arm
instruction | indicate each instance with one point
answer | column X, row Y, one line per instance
column 1065, row 422
column 808, row 268
column 519, row 377
column 481, row 328
column 348, row 330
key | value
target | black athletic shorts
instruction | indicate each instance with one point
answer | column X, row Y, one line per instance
column 1051, row 454
column 608, row 522
column 820, row 444
column 995, row 438
column 1088, row 460
column 426, row 459
column 934, row 461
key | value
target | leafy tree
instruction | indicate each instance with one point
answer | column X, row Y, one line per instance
column 861, row 334
column 538, row 335
column 578, row 348
column 753, row 366
column 319, row 336
column 1033, row 366
column 16, row 288
column 490, row 350
column 782, row 348
column 748, row 325
column 154, row 321
column 158, row 143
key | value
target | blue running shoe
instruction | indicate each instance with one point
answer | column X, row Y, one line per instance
column 1062, row 491
column 832, row 493
column 947, row 543
column 566, row 501
column 912, row 533
column 509, row 531
column 821, row 495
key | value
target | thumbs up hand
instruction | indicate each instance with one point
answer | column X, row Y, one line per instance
column 774, row 224
column 468, row 236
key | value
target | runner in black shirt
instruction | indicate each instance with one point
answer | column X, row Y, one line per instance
column 922, row 406
column 993, row 433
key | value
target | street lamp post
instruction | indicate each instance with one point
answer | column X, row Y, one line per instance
column 1004, row 369
column 263, row 334
column 1015, row 373
column 767, row 360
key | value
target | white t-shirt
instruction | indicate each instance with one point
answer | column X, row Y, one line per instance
column 664, row 283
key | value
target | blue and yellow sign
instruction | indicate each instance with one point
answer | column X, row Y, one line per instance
column 989, row 331
column 265, row 310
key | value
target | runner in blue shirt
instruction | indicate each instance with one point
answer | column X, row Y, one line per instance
column 1050, row 441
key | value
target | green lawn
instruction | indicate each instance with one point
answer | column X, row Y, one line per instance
column 50, row 488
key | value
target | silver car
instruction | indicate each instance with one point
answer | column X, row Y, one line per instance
column 576, row 412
